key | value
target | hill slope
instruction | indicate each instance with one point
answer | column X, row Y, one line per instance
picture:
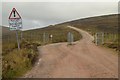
column 106, row 23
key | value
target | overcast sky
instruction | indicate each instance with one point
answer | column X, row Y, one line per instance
column 41, row 14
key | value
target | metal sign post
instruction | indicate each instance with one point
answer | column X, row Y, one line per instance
column 17, row 40
column 15, row 23
column 21, row 31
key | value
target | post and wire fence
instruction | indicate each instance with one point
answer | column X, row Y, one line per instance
column 101, row 38
column 10, row 41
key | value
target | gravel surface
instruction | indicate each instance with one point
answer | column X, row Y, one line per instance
column 83, row 59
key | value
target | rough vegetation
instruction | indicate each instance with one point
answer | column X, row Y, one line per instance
column 17, row 62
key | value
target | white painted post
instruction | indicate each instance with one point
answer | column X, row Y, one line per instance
column 51, row 36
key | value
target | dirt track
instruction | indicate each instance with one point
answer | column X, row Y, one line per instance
column 82, row 60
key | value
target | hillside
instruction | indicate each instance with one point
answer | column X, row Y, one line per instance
column 105, row 23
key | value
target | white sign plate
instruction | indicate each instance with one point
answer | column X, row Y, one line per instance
column 15, row 24
column 15, row 21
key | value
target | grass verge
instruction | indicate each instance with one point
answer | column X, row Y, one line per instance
column 15, row 63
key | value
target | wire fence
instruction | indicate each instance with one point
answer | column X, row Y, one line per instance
column 101, row 38
column 9, row 41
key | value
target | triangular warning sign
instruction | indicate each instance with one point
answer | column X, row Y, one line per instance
column 14, row 14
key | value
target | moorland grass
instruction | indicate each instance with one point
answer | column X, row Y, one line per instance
column 17, row 62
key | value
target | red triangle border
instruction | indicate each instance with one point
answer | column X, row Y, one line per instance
column 16, row 12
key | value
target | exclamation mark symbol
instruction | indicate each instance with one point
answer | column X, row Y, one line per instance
column 14, row 13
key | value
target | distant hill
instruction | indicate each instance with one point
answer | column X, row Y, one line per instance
column 105, row 23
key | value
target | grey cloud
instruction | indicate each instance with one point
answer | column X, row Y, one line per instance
column 41, row 14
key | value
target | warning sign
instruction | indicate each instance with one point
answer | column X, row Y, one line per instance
column 15, row 20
